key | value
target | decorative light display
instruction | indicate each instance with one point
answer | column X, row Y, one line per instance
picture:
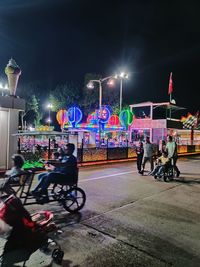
column 96, row 120
column 74, row 116
column 44, row 128
column 114, row 120
column 104, row 114
column 189, row 122
column 93, row 118
column 32, row 164
column 126, row 117
column 62, row 117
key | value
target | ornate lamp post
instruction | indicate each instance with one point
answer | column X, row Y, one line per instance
column 90, row 85
column 121, row 76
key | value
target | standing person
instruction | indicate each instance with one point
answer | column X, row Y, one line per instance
column 171, row 148
column 162, row 148
column 140, row 153
column 50, row 167
column 148, row 154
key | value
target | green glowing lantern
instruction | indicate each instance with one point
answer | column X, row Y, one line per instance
column 126, row 117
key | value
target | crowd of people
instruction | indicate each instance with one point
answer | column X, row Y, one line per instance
column 167, row 155
column 64, row 165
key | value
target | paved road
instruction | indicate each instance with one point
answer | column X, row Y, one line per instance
column 130, row 220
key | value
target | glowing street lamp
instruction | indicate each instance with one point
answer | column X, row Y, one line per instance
column 3, row 87
column 121, row 76
column 90, row 85
column 49, row 106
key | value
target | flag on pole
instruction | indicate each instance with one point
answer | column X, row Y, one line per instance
column 170, row 89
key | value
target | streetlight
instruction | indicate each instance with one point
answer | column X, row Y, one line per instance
column 121, row 76
column 90, row 85
column 49, row 106
column 3, row 87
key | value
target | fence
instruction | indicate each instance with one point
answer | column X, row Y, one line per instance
column 97, row 154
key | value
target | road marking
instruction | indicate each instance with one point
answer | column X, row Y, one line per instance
column 106, row 176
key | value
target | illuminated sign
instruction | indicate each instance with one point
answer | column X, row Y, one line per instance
column 74, row 116
column 104, row 115
column 126, row 117
column 62, row 117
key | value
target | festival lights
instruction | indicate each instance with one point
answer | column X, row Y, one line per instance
column 126, row 117
column 62, row 117
column 74, row 116
column 108, row 122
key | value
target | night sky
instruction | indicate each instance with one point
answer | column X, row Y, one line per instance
column 62, row 40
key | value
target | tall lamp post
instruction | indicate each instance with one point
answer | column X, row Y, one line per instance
column 121, row 76
column 49, row 106
column 90, row 85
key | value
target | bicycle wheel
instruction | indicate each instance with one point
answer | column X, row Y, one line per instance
column 73, row 199
column 56, row 191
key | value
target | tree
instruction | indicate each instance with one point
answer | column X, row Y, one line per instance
column 65, row 96
column 31, row 93
column 33, row 112
column 90, row 100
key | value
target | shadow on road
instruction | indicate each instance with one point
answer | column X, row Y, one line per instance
column 68, row 263
column 20, row 245
column 189, row 173
column 187, row 181
column 62, row 220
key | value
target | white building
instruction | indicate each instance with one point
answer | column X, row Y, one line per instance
column 10, row 106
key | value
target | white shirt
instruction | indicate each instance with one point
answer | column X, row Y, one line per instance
column 170, row 149
column 148, row 150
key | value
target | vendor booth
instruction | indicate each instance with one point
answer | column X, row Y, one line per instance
column 158, row 120
column 154, row 120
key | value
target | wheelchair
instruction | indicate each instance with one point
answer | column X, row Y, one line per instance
column 168, row 173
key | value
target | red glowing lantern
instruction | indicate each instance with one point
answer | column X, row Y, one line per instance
column 114, row 120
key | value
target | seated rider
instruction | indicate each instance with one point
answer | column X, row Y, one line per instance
column 66, row 172
column 49, row 167
column 162, row 164
column 13, row 175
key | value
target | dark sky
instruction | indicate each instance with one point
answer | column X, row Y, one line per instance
column 62, row 40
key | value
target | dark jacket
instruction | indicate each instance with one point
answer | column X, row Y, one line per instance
column 69, row 165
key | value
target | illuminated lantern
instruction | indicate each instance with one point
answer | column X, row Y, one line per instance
column 62, row 117
column 104, row 115
column 92, row 118
column 114, row 120
column 126, row 117
column 74, row 116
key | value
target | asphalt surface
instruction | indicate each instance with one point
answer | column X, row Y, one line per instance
column 128, row 220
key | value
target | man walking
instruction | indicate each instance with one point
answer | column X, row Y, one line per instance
column 148, row 154
column 171, row 148
column 140, row 153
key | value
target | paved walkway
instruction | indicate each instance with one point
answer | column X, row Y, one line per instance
column 129, row 220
